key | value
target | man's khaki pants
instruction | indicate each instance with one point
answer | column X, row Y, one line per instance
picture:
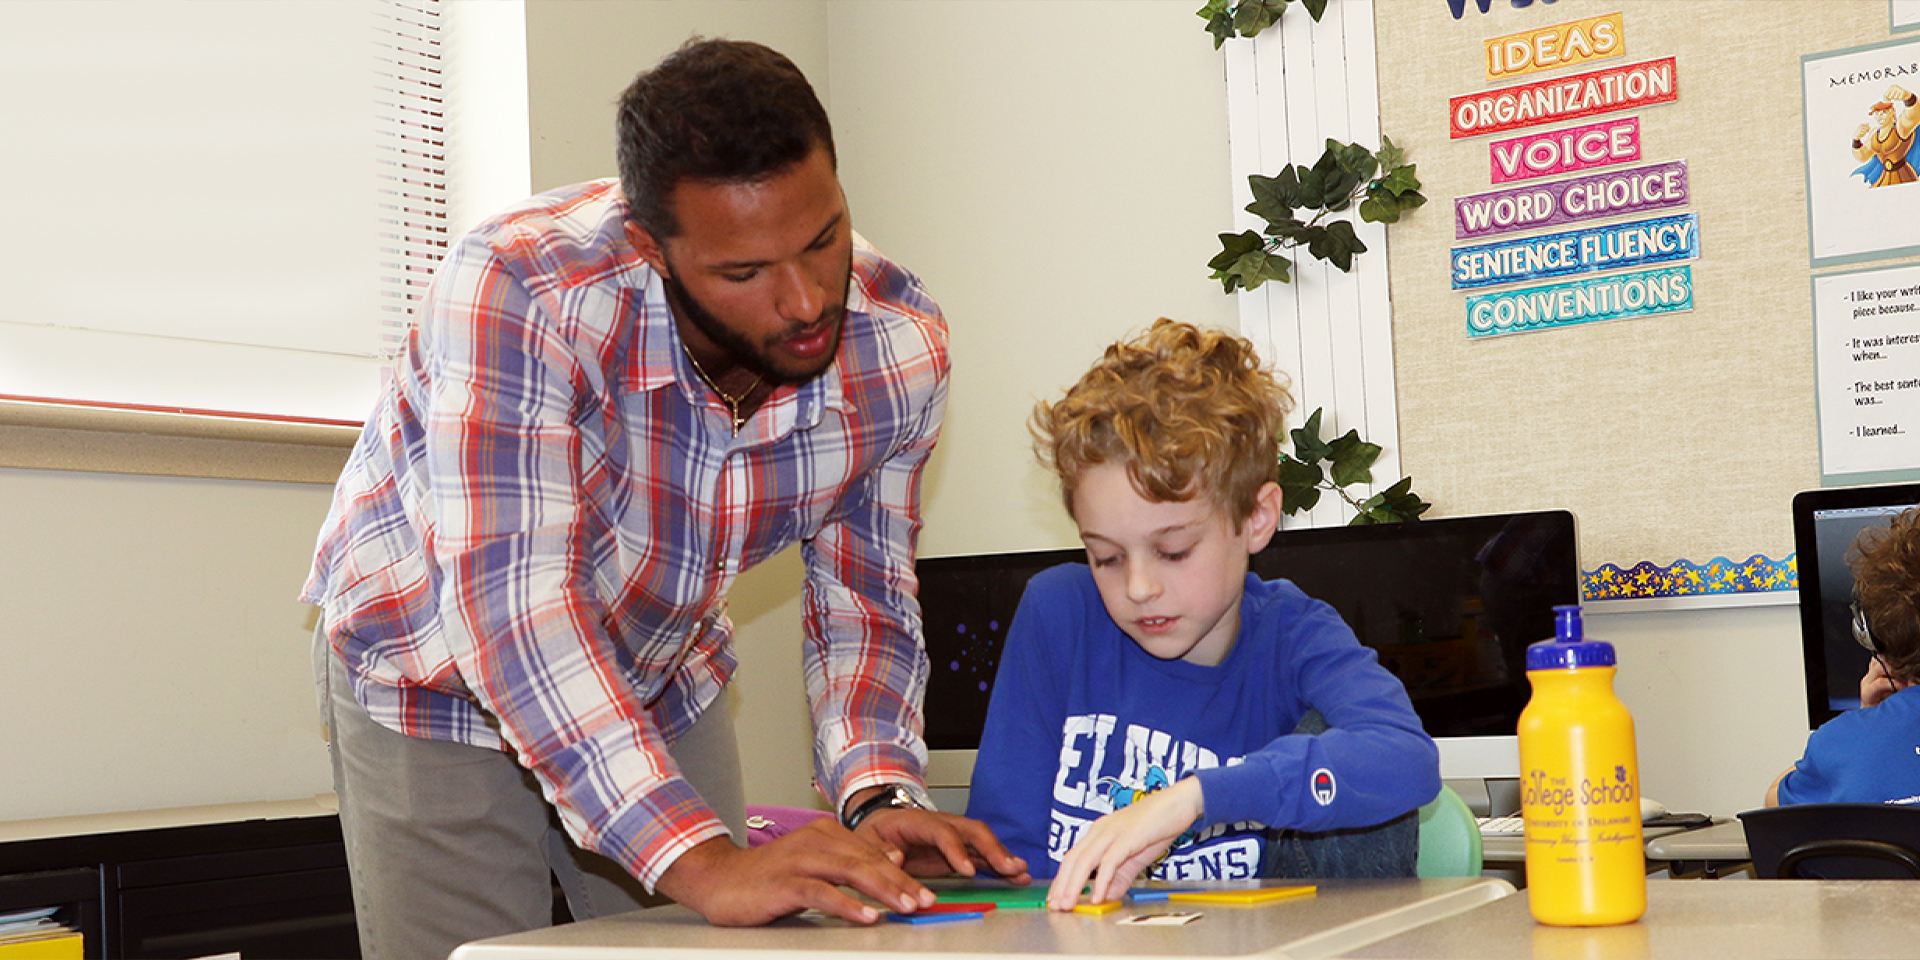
column 448, row 843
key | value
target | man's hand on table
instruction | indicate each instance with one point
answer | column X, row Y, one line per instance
column 804, row 870
column 933, row 844
column 741, row 887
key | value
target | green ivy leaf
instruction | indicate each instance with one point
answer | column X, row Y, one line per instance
column 1405, row 504
column 1352, row 459
column 1400, row 181
column 1295, row 499
column 1292, row 231
column 1299, row 484
column 1337, row 245
column 1244, row 263
column 1252, row 16
column 1274, row 198
column 1376, row 209
column 1390, row 156
column 1233, row 246
column 1315, row 8
column 1354, row 159
column 1312, row 185
column 1332, row 180
column 1308, row 448
column 1295, row 473
column 1222, row 29
column 1384, row 206
column 1256, row 269
column 1396, row 504
column 1219, row 18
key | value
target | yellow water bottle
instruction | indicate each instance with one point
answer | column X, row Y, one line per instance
column 1579, row 785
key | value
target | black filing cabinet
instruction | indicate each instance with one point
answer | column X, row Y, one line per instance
column 261, row 888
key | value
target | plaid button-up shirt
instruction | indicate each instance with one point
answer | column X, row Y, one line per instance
column 532, row 543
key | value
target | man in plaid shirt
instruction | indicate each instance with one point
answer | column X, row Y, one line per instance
column 618, row 397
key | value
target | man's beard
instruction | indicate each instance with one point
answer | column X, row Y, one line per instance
column 745, row 352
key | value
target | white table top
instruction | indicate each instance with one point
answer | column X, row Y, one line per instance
column 1689, row 920
column 1342, row 915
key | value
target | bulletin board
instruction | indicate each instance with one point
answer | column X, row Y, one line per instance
column 1677, row 426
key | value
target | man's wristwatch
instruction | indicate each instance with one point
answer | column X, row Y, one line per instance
column 892, row 796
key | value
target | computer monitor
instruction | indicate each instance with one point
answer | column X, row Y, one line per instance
column 1450, row 605
column 966, row 604
column 1825, row 525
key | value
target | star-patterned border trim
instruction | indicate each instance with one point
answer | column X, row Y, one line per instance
column 1684, row 578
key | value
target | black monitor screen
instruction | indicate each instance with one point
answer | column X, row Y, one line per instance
column 1449, row 604
column 967, row 603
column 1825, row 525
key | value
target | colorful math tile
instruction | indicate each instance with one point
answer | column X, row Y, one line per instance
column 1097, row 909
column 1007, row 898
column 1156, row 894
column 954, row 906
column 933, row 917
column 1244, row 897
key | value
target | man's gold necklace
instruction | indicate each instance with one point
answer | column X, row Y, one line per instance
column 733, row 403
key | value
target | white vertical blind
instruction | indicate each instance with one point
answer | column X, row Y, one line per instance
column 191, row 203
column 1288, row 91
column 410, row 137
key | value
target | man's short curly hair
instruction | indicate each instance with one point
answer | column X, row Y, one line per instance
column 1886, row 580
column 725, row 111
column 1190, row 412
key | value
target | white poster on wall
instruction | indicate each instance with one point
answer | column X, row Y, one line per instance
column 1862, row 110
column 1903, row 15
column 1867, row 360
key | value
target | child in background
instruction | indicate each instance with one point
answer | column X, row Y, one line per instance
column 1146, row 706
column 1869, row 755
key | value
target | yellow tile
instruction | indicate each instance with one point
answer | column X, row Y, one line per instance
column 1244, row 897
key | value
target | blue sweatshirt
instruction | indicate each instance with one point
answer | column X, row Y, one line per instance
column 1870, row 755
column 1083, row 721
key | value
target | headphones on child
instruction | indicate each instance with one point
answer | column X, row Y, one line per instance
column 1863, row 635
column 1862, row 632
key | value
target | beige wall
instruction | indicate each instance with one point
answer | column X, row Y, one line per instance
column 154, row 652
column 582, row 53
column 1057, row 179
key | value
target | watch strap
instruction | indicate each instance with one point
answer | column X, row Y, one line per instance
column 891, row 796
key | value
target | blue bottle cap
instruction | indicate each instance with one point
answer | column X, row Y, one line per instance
column 1569, row 648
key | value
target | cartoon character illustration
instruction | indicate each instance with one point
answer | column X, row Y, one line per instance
column 1884, row 143
column 1120, row 795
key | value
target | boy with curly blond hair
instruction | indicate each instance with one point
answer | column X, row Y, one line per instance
column 1147, row 711
column 1870, row 755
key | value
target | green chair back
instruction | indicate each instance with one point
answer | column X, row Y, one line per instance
column 1449, row 838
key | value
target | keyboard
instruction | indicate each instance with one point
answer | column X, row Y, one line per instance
column 1510, row 826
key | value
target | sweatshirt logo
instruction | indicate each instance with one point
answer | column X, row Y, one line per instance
column 1323, row 786
column 1123, row 796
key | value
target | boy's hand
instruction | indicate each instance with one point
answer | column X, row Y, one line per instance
column 933, row 844
column 1119, row 845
